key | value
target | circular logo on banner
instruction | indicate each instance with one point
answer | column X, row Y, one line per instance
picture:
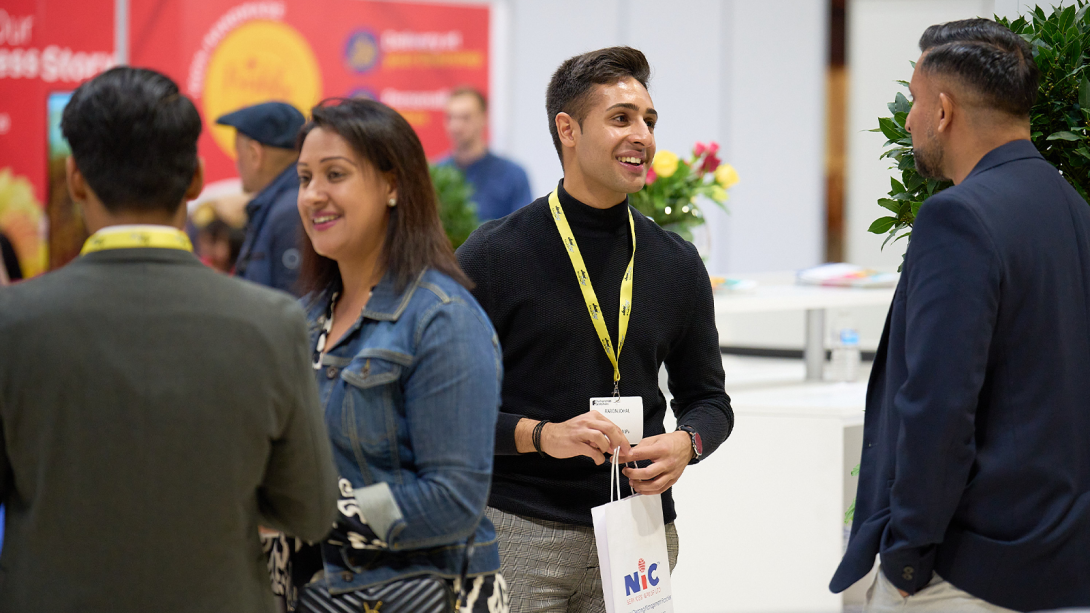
column 259, row 62
column 361, row 52
column 363, row 92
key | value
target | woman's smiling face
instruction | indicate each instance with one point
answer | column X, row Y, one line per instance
column 342, row 198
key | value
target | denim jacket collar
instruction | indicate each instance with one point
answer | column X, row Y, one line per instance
column 386, row 304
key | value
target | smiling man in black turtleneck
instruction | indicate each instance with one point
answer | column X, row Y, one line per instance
column 649, row 296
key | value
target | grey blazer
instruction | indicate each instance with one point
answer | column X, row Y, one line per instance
column 153, row 413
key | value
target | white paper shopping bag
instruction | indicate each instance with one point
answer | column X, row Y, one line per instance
column 632, row 553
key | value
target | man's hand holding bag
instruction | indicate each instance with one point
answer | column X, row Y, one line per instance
column 632, row 555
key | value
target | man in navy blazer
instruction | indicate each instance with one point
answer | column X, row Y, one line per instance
column 975, row 480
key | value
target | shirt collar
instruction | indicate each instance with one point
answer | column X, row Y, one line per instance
column 487, row 155
column 1015, row 150
column 136, row 227
column 285, row 180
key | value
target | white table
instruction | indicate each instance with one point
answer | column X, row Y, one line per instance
column 779, row 292
column 761, row 520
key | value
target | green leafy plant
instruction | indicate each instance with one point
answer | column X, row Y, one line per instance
column 1061, row 49
column 674, row 188
column 850, row 514
column 456, row 209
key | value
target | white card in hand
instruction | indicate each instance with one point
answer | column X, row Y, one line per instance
column 624, row 411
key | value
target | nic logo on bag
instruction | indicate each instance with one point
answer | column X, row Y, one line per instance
column 642, row 580
column 632, row 557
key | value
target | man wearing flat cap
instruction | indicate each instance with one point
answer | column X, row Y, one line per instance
column 265, row 154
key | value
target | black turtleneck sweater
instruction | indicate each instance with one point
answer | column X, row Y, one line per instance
column 553, row 362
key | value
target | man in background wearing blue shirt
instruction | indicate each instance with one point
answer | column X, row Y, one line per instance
column 499, row 185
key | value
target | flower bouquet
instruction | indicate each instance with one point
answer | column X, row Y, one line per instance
column 674, row 187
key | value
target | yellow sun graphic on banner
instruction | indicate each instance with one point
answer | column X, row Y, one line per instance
column 259, row 62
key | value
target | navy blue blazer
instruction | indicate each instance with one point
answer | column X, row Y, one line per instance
column 976, row 445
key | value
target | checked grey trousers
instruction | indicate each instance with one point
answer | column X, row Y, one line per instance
column 551, row 567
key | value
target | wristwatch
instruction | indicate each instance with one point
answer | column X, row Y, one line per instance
column 694, row 438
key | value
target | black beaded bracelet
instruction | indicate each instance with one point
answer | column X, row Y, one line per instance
column 536, row 437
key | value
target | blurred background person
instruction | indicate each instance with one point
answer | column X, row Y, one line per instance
column 219, row 230
column 265, row 155
column 9, row 262
column 499, row 185
column 408, row 365
column 153, row 412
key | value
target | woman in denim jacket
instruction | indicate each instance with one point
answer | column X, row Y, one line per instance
column 408, row 365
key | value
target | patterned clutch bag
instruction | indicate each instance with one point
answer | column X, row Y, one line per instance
column 425, row 594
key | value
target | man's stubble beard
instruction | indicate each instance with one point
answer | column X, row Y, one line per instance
column 929, row 158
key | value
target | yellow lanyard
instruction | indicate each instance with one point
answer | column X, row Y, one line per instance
column 131, row 237
column 587, row 288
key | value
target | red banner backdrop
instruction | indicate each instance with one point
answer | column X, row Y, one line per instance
column 46, row 46
column 228, row 54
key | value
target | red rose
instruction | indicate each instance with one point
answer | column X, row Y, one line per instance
column 711, row 163
column 713, row 148
column 699, row 150
column 651, row 176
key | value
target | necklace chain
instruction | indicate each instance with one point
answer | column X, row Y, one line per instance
column 320, row 346
column 319, row 349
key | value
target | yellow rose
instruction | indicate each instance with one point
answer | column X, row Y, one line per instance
column 726, row 176
column 719, row 194
column 665, row 163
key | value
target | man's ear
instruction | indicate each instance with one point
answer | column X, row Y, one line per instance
column 946, row 112
column 77, row 184
column 568, row 129
column 257, row 153
column 196, row 184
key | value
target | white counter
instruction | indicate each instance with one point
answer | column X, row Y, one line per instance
column 778, row 292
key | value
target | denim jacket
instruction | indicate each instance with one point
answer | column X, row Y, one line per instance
column 411, row 394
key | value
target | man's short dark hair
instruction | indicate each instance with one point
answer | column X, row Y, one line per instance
column 133, row 135
column 994, row 62
column 570, row 88
column 465, row 90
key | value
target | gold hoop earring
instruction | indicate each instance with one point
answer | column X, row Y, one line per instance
column 392, row 202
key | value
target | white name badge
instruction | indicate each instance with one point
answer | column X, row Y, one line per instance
column 624, row 411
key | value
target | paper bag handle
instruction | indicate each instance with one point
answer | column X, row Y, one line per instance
column 614, row 474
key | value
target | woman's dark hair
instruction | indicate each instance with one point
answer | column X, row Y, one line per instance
column 134, row 137
column 415, row 238
column 570, row 88
column 994, row 62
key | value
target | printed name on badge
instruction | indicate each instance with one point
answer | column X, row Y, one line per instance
column 624, row 411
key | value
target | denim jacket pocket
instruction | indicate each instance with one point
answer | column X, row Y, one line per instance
column 369, row 420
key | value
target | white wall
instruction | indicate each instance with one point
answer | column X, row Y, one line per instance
column 749, row 75
column 777, row 52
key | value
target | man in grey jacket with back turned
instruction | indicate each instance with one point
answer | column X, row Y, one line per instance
column 153, row 412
